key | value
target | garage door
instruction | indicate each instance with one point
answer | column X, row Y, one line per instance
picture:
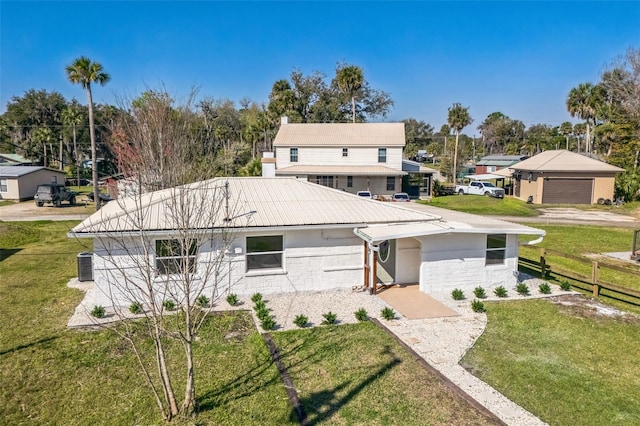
column 567, row 191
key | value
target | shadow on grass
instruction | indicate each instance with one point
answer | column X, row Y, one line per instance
column 28, row 345
column 7, row 253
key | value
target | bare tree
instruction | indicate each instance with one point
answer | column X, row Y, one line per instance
column 156, row 251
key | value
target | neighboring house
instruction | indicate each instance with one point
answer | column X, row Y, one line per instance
column 14, row 160
column 20, row 182
column 493, row 163
column 349, row 156
column 564, row 177
column 292, row 235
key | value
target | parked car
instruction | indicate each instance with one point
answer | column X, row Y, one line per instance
column 54, row 193
column 400, row 197
column 364, row 194
column 480, row 188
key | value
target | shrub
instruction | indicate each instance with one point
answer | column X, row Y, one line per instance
column 477, row 306
column 135, row 308
column 388, row 313
column 98, row 311
column 565, row 285
column 544, row 288
column 169, row 305
column 457, row 294
column 232, row 299
column 479, row 292
column 329, row 318
column 259, row 304
column 500, row 291
column 268, row 323
column 301, row 321
column 202, row 301
column 256, row 297
column 262, row 313
column 522, row 289
column 361, row 314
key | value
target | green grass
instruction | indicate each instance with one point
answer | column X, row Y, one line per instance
column 6, row 203
column 563, row 367
column 355, row 374
column 484, row 205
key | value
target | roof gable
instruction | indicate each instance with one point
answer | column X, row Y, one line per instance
column 564, row 161
column 340, row 134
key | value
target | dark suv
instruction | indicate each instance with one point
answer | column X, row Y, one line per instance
column 54, row 193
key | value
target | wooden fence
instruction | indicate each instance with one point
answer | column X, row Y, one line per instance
column 593, row 283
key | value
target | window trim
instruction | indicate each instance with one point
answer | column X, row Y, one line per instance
column 168, row 270
column 249, row 253
column 382, row 155
column 502, row 248
column 391, row 183
column 4, row 185
column 293, row 154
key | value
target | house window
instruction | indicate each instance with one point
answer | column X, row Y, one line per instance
column 4, row 185
column 345, row 152
column 264, row 252
column 382, row 155
column 496, row 248
column 325, row 181
column 391, row 183
column 293, row 155
column 172, row 257
column 349, row 181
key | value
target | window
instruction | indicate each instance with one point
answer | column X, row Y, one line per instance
column 391, row 183
column 382, row 155
column 496, row 247
column 4, row 185
column 264, row 252
column 345, row 152
column 293, row 155
column 174, row 258
column 349, row 181
column 325, row 181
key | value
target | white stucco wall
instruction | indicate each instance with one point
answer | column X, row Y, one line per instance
column 458, row 261
column 332, row 156
column 408, row 261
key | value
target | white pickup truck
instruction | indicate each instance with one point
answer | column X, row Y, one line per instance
column 480, row 188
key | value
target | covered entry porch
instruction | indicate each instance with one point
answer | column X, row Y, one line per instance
column 412, row 303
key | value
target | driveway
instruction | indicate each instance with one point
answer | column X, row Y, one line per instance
column 28, row 210
column 578, row 217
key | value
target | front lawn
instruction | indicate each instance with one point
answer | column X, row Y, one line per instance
column 566, row 365
column 476, row 204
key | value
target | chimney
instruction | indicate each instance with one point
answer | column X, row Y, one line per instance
column 284, row 120
column 269, row 164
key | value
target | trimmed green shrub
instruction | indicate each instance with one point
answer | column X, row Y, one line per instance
column 522, row 289
column 544, row 288
column 202, row 301
column 329, row 318
column 169, row 305
column 301, row 321
column 361, row 314
column 256, row 297
column 259, row 304
column 232, row 299
column 98, row 311
column 500, row 291
column 262, row 313
column 388, row 313
column 457, row 294
column 268, row 323
column 565, row 285
column 479, row 292
column 135, row 308
column 477, row 306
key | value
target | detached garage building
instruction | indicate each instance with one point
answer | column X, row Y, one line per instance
column 564, row 177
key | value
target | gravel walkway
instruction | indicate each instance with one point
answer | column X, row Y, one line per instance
column 442, row 342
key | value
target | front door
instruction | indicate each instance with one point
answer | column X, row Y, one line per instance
column 386, row 258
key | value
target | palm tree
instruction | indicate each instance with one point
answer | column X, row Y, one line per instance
column 581, row 103
column 458, row 119
column 349, row 79
column 72, row 116
column 84, row 72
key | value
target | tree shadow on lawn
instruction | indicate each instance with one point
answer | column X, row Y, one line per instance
column 7, row 253
column 28, row 345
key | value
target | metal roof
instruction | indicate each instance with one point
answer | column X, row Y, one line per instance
column 339, row 170
column 340, row 134
column 563, row 161
column 17, row 171
column 484, row 176
column 415, row 167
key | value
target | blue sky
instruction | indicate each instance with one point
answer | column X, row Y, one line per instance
column 519, row 58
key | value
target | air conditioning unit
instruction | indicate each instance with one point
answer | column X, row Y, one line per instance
column 85, row 266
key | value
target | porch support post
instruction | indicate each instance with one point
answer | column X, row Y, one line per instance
column 366, row 265
column 374, row 275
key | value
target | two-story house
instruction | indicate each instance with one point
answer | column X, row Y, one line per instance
column 349, row 156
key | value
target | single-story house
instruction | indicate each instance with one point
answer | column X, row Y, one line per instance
column 14, row 160
column 21, row 182
column 290, row 235
column 564, row 177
